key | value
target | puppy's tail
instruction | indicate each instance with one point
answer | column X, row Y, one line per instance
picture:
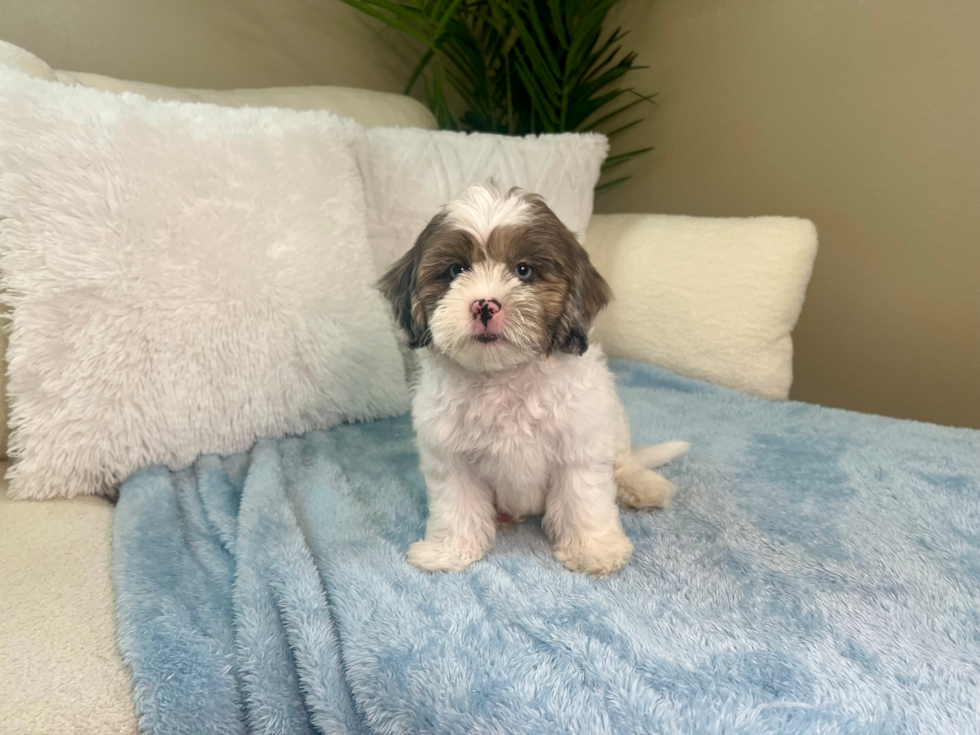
column 638, row 486
column 659, row 454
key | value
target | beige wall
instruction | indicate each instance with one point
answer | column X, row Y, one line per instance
column 863, row 115
column 212, row 44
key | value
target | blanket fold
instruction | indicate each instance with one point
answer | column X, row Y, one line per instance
column 818, row 572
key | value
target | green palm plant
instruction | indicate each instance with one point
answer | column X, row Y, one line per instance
column 520, row 66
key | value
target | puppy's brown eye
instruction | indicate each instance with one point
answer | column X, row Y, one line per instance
column 455, row 269
column 523, row 271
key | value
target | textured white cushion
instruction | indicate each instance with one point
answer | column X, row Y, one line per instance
column 368, row 107
column 183, row 279
column 715, row 299
column 411, row 174
column 16, row 58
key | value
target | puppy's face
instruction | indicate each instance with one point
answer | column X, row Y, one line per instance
column 496, row 280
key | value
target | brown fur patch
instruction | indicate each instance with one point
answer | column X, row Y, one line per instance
column 416, row 282
column 447, row 247
column 570, row 290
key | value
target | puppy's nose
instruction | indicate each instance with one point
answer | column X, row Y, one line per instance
column 484, row 309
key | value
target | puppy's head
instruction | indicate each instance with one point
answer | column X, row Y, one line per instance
column 494, row 281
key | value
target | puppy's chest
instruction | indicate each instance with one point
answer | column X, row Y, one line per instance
column 502, row 420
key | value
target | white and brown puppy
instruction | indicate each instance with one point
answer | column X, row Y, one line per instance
column 515, row 412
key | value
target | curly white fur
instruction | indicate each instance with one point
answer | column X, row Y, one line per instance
column 547, row 437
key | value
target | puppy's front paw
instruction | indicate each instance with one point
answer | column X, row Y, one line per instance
column 433, row 556
column 596, row 556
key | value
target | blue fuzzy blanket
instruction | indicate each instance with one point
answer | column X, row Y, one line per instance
column 818, row 572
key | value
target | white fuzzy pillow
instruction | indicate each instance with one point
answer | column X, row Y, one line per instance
column 713, row 298
column 183, row 278
column 410, row 174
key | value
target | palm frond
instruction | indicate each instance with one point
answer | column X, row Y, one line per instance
column 520, row 66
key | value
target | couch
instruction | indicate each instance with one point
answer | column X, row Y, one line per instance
column 60, row 671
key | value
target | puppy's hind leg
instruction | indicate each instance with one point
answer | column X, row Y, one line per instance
column 640, row 487
column 637, row 485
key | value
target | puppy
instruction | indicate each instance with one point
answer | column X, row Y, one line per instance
column 515, row 413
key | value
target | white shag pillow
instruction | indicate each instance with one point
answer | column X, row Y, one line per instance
column 183, row 278
column 713, row 298
column 410, row 174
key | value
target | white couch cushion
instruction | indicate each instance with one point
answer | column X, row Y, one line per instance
column 60, row 670
column 715, row 299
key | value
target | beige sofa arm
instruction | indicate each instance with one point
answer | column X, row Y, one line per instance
column 712, row 298
column 368, row 107
column 17, row 58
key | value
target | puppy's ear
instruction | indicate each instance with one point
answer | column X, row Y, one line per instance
column 396, row 287
column 399, row 287
column 588, row 294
